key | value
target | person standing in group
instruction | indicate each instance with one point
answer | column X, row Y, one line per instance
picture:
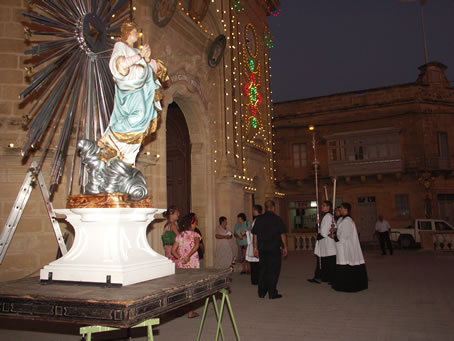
column 337, row 214
column 224, row 254
column 351, row 274
column 269, row 234
column 186, row 244
column 185, row 247
column 201, row 249
column 170, row 230
column 250, row 257
column 383, row 228
column 241, row 227
column 325, row 248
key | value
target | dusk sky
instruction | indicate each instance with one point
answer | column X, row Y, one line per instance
column 323, row 47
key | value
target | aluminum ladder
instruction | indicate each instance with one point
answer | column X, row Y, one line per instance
column 33, row 175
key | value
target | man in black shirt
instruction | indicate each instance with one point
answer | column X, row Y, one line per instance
column 269, row 235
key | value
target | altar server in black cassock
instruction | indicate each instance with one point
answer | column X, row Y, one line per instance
column 269, row 234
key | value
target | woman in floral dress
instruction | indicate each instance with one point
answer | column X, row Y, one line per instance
column 185, row 247
column 186, row 244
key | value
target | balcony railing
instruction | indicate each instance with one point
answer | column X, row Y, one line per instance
column 301, row 241
column 430, row 162
column 443, row 241
column 365, row 167
column 437, row 240
column 370, row 167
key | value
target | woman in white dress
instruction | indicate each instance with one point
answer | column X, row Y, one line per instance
column 351, row 274
column 224, row 254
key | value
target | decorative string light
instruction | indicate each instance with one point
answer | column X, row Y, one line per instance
column 245, row 106
column 276, row 13
column 203, row 28
column 268, row 40
column 237, row 6
column 273, row 13
column 252, row 86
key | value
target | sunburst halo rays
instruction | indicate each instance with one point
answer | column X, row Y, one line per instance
column 40, row 78
column 118, row 6
column 43, row 116
column 56, row 12
column 60, row 17
column 63, row 143
column 43, row 20
column 75, row 84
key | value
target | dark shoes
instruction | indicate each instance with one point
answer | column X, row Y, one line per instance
column 313, row 280
column 275, row 296
column 272, row 297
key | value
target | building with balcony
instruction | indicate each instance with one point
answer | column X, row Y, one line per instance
column 390, row 150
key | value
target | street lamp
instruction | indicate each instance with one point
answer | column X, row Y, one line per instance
column 315, row 163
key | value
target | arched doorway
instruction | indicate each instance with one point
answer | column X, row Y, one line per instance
column 178, row 160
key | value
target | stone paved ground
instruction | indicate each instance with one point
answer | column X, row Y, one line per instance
column 410, row 297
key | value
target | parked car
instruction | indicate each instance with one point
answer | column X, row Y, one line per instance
column 410, row 236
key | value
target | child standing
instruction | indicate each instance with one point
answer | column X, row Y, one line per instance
column 185, row 247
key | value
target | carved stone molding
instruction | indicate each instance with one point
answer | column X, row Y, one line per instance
column 191, row 83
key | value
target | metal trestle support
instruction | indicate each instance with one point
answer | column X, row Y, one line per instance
column 224, row 299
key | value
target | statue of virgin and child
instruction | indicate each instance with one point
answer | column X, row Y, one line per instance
column 138, row 91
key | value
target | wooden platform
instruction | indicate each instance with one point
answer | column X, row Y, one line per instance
column 115, row 307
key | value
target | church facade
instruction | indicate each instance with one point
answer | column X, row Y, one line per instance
column 212, row 152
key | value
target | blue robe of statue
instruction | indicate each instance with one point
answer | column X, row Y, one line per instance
column 136, row 105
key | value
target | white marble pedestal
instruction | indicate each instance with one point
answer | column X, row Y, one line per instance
column 110, row 247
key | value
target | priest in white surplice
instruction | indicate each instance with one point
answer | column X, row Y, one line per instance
column 325, row 248
column 351, row 274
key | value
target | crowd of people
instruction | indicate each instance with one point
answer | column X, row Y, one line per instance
column 260, row 245
column 262, row 242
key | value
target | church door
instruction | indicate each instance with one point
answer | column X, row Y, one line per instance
column 178, row 160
